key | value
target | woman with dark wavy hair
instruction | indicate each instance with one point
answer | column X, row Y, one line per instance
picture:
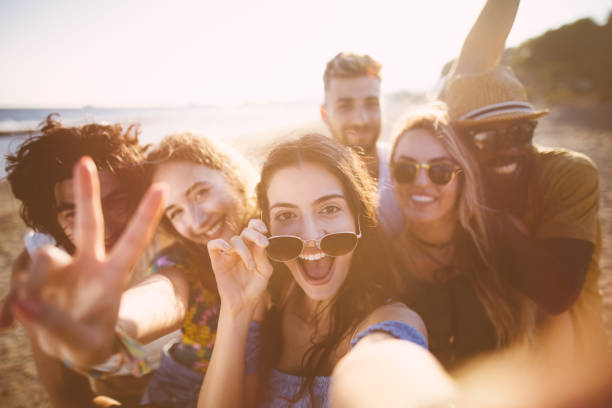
column 316, row 249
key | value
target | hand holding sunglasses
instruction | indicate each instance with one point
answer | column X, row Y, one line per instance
column 241, row 267
column 283, row 248
column 501, row 137
column 440, row 173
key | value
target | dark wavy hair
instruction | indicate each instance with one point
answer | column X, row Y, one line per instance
column 215, row 155
column 48, row 158
column 369, row 281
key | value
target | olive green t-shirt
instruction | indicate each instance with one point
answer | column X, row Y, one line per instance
column 564, row 203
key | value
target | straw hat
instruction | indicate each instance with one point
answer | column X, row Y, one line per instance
column 493, row 96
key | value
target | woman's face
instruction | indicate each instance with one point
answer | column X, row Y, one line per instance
column 309, row 202
column 422, row 200
column 201, row 204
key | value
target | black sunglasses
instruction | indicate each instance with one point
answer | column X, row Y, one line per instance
column 283, row 248
column 440, row 173
column 496, row 140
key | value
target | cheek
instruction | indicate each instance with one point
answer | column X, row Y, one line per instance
column 401, row 193
column 67, row 225
column 179, row 225
column 451, row 195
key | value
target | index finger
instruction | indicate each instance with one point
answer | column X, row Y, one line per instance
column 89, row 223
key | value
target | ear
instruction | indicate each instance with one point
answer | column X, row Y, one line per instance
column 323, row 113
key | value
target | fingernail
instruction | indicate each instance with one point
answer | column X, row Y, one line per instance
column 28, row 309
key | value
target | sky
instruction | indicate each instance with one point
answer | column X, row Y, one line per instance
column 136, row 53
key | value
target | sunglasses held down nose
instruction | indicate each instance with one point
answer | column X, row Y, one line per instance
column 283, row 248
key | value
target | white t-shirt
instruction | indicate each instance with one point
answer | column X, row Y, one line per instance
column 390, row 214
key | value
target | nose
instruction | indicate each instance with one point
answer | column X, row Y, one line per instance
column 421, row 176
column 198, row 215
column 360, row 116
column 311, row 232
column 114, row 223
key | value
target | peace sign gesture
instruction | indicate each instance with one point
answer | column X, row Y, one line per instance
column 70, row 303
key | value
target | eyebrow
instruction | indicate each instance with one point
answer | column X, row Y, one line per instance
column 114, row 194
column 317, row 201
column 64, row 206
column 344, row 100
column 194, row 186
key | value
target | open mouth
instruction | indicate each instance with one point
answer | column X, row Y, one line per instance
column 317, row 268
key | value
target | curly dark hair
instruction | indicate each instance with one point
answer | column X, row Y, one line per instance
column 369, row 283
column 48, row 158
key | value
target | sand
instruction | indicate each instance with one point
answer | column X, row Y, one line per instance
column 587, row 129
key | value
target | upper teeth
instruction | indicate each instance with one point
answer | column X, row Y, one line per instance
column 507, row 169
column 422, row 198
column 214, row 229
column 312, row 257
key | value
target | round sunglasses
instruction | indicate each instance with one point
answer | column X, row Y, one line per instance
column 499, row 139
column 440, row 173
column 283, row 248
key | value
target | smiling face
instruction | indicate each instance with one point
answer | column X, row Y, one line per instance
column 505, row 172
column 116, row 207
column 201, row 204
column 422, row 201
column 308, row 201
column 352, row 111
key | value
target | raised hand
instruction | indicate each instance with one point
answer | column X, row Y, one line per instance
column 241, row 267
column 70, row 303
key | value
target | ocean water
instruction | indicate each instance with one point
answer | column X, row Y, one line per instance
column 237, row 125
column 231, row 123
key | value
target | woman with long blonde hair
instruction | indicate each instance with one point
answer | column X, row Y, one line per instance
column 445, row 250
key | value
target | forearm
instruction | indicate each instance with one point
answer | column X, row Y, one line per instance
column 486, row 40
column 148, row 311
column 390, row 372
column 224, row 383
column 155, row 307
column 551, row 272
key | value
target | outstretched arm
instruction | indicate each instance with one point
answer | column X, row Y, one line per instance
column 485, row 43
column 549, row 271
column 402, row 374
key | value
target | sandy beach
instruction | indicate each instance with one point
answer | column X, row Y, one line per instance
column 584, row 128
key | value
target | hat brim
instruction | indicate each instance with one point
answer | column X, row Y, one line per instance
column 504, row 117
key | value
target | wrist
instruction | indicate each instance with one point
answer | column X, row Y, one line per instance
column 234, row 316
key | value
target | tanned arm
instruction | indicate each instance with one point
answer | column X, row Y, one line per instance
column 549, row 271
column 485, row 43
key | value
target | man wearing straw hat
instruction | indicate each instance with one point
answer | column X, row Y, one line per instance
column 546, row 199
